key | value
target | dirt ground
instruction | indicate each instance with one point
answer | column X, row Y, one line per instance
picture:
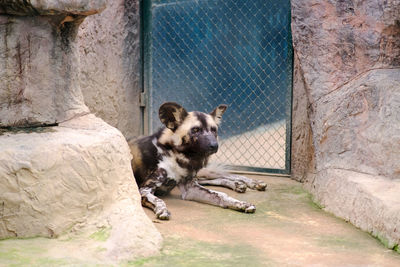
column 288, row 229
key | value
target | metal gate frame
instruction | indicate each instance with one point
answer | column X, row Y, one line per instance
column 146, row 95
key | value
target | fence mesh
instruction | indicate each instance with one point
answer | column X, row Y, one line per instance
column 238, row 52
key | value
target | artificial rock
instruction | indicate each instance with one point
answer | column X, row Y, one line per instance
column 346, row 112
column 75, row 177
column 62, row 170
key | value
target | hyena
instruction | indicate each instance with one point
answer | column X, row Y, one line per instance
column 177, row 154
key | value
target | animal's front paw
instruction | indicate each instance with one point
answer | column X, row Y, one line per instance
column 260, row 185
column 250, row 209
column 251, row 183
column 163, row 214
column 240, row 187
column 246, row 207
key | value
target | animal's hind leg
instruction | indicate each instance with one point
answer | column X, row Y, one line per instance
column 206, row 174
column 193, row 191
column 149, row 200
column 234, row 185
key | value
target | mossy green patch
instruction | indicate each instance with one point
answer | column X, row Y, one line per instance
column 383, row 240
column 339, row 242
column 291, row 189
column 26, row 253
column 101, row 235
column 13, row 257
column 386, row 242
column 183, row 252
column 313, row 203
column 38, row 252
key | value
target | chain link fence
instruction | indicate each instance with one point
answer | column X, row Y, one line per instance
column 202, row 53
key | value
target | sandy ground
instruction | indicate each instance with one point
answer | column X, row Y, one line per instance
column 288, row 229
column 261, row 147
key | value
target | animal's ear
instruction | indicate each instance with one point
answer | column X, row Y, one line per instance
column 172, row 115
column 217, row 113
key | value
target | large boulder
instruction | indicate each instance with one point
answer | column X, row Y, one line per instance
column 358, row 127
column 336, row 41
column 51, row 7
column 39, row 61
column 346, row 112
column 62, row 170
column 370, row 202
column 39, row 71
column 75, row 177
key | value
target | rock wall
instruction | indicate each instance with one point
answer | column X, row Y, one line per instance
column 347, row 99
column 38, row 96
column 302, row 154
column 109, row 47
column 62, row 170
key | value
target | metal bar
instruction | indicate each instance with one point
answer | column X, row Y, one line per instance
column 234, row 168
column 289, row 104
column 147, row 63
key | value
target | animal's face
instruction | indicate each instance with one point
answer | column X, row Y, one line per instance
column 193, row 133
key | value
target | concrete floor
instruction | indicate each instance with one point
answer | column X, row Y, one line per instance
column 288, row 229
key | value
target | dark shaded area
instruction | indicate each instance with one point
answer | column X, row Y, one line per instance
column 39, row 128
column 17, row 7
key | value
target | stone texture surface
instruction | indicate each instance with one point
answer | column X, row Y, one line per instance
column 51, row 7
column 302, row 150
column 338, row 40
column 358, row 127
column 38, row 71
column 109, row 46
column 347, row 99
column 75, row 177
column 369, row 201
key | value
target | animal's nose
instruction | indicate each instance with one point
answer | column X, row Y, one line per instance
column 213, row 147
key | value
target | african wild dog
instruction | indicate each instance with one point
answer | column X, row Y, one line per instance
column 177, row 153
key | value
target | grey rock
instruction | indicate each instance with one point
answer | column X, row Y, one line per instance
column 358, row 127
column 370, row 202
column 347, row 100
column 51, row 7
column 109, row 48
column 39, row 67
column 338, row 40
column 302, row 150
column 73, row 178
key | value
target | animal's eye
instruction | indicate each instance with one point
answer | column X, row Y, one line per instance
column 195, row 129
column 214, row 129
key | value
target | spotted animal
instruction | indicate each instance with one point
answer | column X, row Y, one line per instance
column 177, row 154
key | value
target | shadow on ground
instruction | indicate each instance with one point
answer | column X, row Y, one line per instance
column 288, row 229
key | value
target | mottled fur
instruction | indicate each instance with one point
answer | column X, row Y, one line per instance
column 176, row 154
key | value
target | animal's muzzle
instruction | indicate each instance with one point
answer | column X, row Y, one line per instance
column 207, row 143
column 213, row 147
